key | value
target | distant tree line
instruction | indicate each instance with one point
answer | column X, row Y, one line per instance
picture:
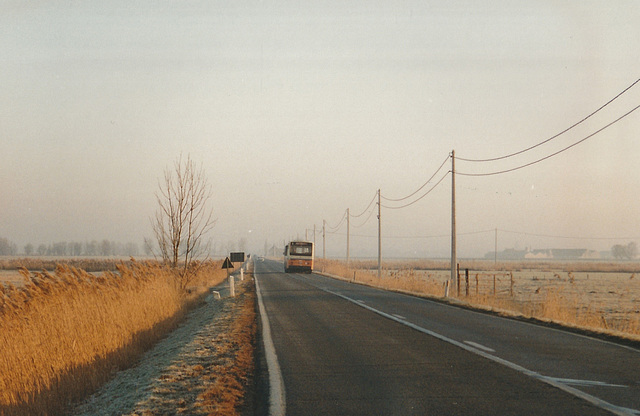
column 620, row 251
column 71, row 249
column 216, row 248
column 7, row 248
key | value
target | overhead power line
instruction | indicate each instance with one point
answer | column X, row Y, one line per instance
column 344, row 216
column 367, row 208
column 422, row 196
column 371, row 211
column 412, row 237
column 552, row 154
column 556, row 135
column 419, row 189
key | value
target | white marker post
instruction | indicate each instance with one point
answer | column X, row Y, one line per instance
column 228, row 265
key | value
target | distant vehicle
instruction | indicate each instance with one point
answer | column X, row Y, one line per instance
column 298, row 256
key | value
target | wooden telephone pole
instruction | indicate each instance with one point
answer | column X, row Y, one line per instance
column 379, row 238
column 454, row 256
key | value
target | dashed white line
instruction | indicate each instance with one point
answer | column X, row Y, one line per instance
column 586, row 383
column 479, row 346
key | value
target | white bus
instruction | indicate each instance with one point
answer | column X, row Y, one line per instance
column 298, row 256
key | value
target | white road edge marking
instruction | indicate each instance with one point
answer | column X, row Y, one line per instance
column 277, row 402
column 616, row 410
column 398, row 316
column 479, row 346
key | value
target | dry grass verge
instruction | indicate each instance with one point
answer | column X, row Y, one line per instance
column 409, row 282
column 64, row 334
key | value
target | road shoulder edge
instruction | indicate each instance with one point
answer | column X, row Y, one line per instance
column 277, row 398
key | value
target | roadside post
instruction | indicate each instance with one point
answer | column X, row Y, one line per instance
column 232, row 287
column 228, row 265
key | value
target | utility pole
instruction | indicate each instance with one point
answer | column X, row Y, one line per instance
column 379, row 238
column 314, row 237
column 324, row 223
column 348, row 217
column 454, row 257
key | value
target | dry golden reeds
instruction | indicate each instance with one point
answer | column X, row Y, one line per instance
column 402, row 280
column 64, row 333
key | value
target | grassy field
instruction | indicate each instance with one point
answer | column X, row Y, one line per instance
column 64, row 333
column 599, row 296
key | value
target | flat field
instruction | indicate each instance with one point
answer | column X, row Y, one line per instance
column 615, row 295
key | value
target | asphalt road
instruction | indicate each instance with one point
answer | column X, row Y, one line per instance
column 334, row 348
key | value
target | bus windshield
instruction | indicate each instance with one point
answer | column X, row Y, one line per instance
column 301, row 249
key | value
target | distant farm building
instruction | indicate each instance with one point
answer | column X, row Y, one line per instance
column 546, row 254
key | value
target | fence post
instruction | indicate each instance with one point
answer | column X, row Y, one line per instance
column 494, row 285
column 466, row 281
column 511, row 289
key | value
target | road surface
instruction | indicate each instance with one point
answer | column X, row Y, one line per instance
column 335, row 348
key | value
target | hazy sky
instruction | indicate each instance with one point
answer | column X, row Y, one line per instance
column 299, row 110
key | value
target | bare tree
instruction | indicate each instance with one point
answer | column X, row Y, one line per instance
column 183, row 218
column 618, row 251
column 630, row 251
